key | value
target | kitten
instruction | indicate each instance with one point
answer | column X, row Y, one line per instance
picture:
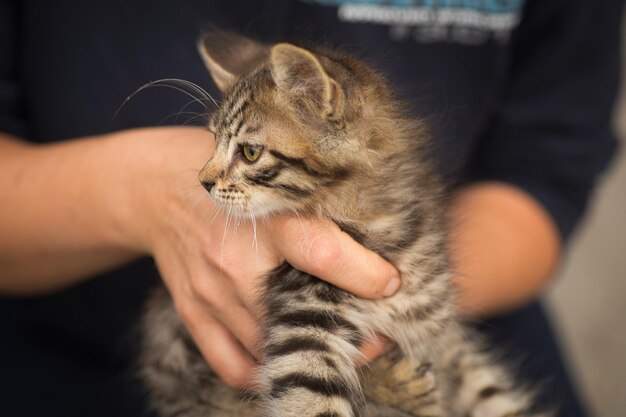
column 321, row 135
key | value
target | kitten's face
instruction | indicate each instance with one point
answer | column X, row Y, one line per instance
column 246, row 173
column 265, row 161
column 283, row 143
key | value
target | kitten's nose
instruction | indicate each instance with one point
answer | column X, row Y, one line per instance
column 208, row 185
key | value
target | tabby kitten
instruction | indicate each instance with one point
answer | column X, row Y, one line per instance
column 320, row 134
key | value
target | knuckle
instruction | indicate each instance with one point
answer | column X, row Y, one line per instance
column 325, row 254
column 213, row 302
column 204, row 290
column 200, row 285
column 186, row 311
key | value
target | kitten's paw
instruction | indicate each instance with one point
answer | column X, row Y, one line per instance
column 395, row 381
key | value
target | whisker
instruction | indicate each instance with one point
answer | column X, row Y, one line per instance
column 230, row 208
column 188, row 87
column 255, row 242
column 198, row 200
column 195, row 87
column 190, row 188
column 218, row 209
column 181, row 112
column 197, row 116
column 197, row 93
column 184, row 107
column 190, row 114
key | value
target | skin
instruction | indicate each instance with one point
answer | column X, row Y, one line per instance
column 113, row 198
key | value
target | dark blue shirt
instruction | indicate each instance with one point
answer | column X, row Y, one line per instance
column 515, row 91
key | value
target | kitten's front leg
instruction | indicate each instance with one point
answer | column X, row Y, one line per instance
column 310, row 349
column 420, row 312
column 421, row 318
column 416, row 318
column 314, row 331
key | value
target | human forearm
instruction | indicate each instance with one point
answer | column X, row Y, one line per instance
column 504, row 247
column 64, row 211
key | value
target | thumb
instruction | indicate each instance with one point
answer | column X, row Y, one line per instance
column 321, row 249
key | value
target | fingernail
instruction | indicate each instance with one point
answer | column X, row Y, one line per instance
column 392, row 287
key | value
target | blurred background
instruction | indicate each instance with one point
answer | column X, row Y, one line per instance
column 588, row 296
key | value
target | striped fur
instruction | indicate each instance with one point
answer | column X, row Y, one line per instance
column 336, row 145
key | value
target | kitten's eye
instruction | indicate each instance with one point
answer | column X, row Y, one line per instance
column 251, row 152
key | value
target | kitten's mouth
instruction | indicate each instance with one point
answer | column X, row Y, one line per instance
column 231, row 198
column 244, row 204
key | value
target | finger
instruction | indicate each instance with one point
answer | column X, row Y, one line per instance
column 322, row 249
column 240, row 321
column 242, row 259
column 219, row 347
column 372, row 349
column 215, row 293
column 222, row 351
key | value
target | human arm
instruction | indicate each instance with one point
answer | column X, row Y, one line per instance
column 551, row 136
column 79, row 207
column 61, row 212
column 504, row 247
column 92, row 220
column 74, row 211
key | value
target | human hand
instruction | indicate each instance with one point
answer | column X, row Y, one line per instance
column 214, row 265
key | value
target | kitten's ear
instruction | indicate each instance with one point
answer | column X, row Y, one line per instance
column 228, row 56
column 300, row 73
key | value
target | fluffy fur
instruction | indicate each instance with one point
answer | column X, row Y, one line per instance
column 334, row 144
